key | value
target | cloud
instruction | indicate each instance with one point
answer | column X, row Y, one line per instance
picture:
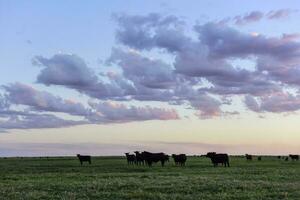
column 256, row 16
column 226, row 42
column 251, row 103
column 248, row 18
column 39, row 110
column 201, row 75
column 113, row 112
column 65, row 69
column 151, row 73
column 276, row 103
column 18, row 93
column 278, row 14
column 150, row 31
column 71, row 71
column 206, row 106
column 37, row 121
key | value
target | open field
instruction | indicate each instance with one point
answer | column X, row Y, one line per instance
column 111, row 178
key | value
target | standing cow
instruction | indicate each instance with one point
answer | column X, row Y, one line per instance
column 151, row 158
column 83, row 158
column 130, row 158
column 217, row 158
column 179, row 159
column 248, row 157
column 139, row 158
column 294, row 157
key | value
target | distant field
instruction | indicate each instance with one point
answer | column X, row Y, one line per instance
column 111, row 178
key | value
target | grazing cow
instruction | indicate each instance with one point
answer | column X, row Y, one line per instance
column 139, row 158
column 84, row 159
column 278, row 157
column 248, row 157
column 259, row 158
column 130, row 158
column 154, row 158
column 179, row 159
column 294, row 157
column 217, row 158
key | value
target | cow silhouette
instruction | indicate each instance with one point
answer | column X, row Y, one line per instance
column 259, row 158
column 248, row 157
column 84, row 158
column 151, row 158
column 294, row 157
column 179, row 159
column 139, row 158
column 217, row 158
column 130, row 158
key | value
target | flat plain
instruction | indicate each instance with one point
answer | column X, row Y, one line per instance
column 112, row 178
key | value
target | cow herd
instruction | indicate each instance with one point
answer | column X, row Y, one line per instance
column 293, row 157
column 148, row 158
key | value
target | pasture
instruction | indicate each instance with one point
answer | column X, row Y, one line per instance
column 112, row 178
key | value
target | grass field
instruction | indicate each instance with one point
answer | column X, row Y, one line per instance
column 111, row 178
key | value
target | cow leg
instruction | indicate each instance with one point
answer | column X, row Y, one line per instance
column 162, row 163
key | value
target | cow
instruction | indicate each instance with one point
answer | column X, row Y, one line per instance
column 218, row 158
column 131, row 159
column 151, row 158
column 139, row 158
column 279, row 157
column 259, row 158
column 179, row 159
column 248, row 157
column 167, row 158
column 83, row 158
column 294, row 157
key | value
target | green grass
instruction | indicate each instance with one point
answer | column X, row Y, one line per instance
column 111, row 178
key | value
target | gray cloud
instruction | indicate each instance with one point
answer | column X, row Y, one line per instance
column 256, row 16
column 19, row 93
column 278, row 14
column 248, row 18
column 71, row 71
column 36, row 121
column 113, row 112
column 152, row 30
column 276, row 103
column 201, row 67
column 226, row 42
column 65, row 69
column 151, row 73
column 38, row 105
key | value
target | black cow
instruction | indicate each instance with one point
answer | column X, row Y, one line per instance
column 139, row 158
column 130, row 158
column 217, row 158
column 167, row 158
column 179, row 159
column 248, row 157
column 259, row 158
column 84, row 159
column 279, row 157
column 154, row 158
column 294, row 157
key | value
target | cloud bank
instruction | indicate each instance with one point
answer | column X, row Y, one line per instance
column 160, row 58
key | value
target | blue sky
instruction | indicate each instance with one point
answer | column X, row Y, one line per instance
column 114, row 76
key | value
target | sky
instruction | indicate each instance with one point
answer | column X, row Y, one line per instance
column 105, row 78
